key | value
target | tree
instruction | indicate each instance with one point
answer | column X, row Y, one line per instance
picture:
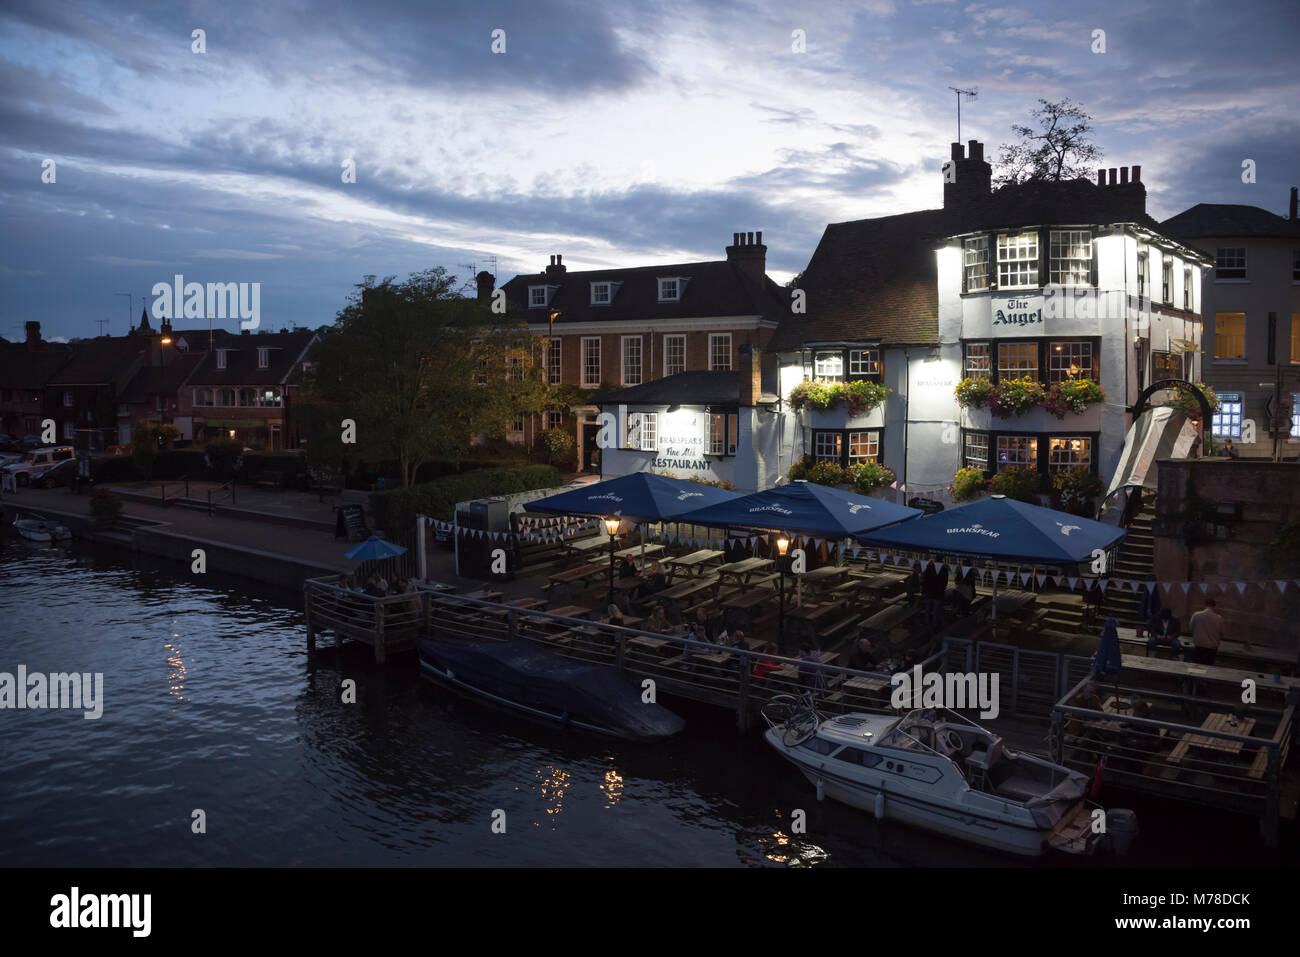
column 1060, row 150
column 421, row 370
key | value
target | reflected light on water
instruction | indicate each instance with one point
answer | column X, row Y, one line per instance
column 554, row 783
column 612, row 787
column 175, row 680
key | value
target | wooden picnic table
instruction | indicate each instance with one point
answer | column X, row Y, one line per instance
column 693, row 564
column 570, row 611
column 569, row 575
column 1011, row 603
column 824, row 579
column 791, row 670
column 746, row 600
column 745, row 569
column 1227, row 724
column 635, row 551
column 685, row 589
column 649, row 643
column 1185, row 669
column 1260, row 654
column 882, row 583
column 815, row 613
column 889, row 618
column 581, row 545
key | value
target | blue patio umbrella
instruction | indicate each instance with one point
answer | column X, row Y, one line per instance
column 374, row 549
column 1108, row 660
column 804, row 508
column 639, row 496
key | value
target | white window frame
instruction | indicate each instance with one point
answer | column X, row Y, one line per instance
column 972, row 369
column 1143, row 271
column 1214, row 352
column 1227, row 260
column 728, row 441
column 69, row 430
column 1295, row 415
column 68, row 400
column 677, row 289
column 1061, row 350
column 1167, row 280
column 860, row 368
column 828, row 366
column 873, row 446
column 640, row 361
column 826, row 442
column 517, row 423
column 555, row 361
column 587, row 382
column 1017, row 443
column 1066, row 456
column 1069, row 260
column 1018, row 373
column 607, row 287
column 1226, row 420
column 554, row 419
column 533, row 302
column 263, row 357
column 1187, row 288
column 1018, row 257
column 716, row 339
column 978, row 441
column 975, row 263
column 642, row 431
column 668, row 352
column 221, row 358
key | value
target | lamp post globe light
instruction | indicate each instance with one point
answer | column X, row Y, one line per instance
column 782, row 546
column 611, row 526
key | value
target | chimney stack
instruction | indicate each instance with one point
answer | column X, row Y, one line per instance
column 485, row 281
column 965, row 198
column 555, row 271
column 1293, row 203
column 751, row 373
column 749, row 254
column 1123, row 175
column 34, row 328
column 1101, row 177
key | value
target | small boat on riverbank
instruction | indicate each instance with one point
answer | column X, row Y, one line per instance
column 39, row 530
column 939, row 771
column 523, row 677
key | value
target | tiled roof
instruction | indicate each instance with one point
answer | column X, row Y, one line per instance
column 1216, row 220
column 162, row 380
column 241, row 358
column 719, row 288
column 103, row 360
column 23, row 368
column 683, row 388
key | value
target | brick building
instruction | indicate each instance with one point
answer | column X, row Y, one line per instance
column 625, row 327
column 25, row 370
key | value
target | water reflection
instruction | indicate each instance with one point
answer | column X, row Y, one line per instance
column 176, row 680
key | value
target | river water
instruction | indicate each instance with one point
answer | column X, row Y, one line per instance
column 210, row 704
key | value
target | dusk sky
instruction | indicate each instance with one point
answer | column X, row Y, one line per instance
column 611, row 133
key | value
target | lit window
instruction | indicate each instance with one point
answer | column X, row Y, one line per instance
column 518, row 424
column 977, row 360
column 975, row 259
column 590, row 362
column 1227, row 418
column 674, row 354
column 67, row 400
column 1070, row 452
column 1167, row 280
column 828, row 365
column 554, row 418
column 1070, row 360
column 669, row 290
column 723, row 427
column 720, row 352
column 863, row 447
column 864, row 363
column 271, row 398
column 69, row 431
column 977, row 450
column 1017, row 452
column 1017, row 260
column 1295, row 337
column 600, row 294
column 553, row 362
column 1071, row 257
column 631, row 360
column 221, row 358
column 643, row 431
column 1143, row 271
column 514, row 369
column 1229, row 335
column 1295, row 415
column 1018, row 360
column 1230, row 262
column 536, row 297
column 827, row 446
column 1187, row 288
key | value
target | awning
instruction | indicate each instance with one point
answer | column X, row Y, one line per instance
column 1159, row 433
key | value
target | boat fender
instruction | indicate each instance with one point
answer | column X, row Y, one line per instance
column 821, row 790
column 564, row 718
column 880, row 803
column 451, row 674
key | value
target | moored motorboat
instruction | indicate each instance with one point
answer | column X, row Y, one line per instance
column 936, row 770
column 39, row 530
column 524, row 677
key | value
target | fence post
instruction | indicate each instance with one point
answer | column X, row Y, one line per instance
column 742, row 697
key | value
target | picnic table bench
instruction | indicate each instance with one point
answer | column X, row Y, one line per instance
column 688, row 588
column 889, row 618
column 570, row 575
column 827, row 577
column 815, row 613
column 749, row 599
column 1226, row 723
column 693, row 564
column 745, row 569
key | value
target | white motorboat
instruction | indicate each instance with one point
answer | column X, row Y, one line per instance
column 936, row 770
column 39, row 530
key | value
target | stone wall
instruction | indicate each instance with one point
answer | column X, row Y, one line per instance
column 1214, row 520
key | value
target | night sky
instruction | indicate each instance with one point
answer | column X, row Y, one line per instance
column 611, row 133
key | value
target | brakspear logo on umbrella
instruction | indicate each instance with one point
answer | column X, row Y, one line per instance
column 216, row 300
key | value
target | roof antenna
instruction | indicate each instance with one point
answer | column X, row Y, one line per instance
column 960, row 93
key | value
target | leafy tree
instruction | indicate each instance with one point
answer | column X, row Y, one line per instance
column 421, row 370
column 1059, row 150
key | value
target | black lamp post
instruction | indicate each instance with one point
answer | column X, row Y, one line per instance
column 611, row 526
column 782, row 545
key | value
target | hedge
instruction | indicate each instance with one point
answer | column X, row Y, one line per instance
column 394, row 511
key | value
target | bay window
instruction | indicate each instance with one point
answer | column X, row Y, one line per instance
column 1071, row 360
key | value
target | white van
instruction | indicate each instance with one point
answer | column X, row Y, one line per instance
column 38, row 460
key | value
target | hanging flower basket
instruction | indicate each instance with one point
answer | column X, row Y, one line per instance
column 860, row 397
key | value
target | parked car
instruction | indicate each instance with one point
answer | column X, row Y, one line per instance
column 59, row 475
column 38, row 460
column 6, row 441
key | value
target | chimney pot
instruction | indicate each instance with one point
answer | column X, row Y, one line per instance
column 735, row 239
column 758, row 237
column 1101, row 177
column 1293, row 203
column 559, row 260
column 958, row 152
column 1137, row 174
column 1114, row 176
column 1123, row 175
column 976, row 150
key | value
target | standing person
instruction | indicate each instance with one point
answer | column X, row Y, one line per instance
column 1206, row 627
column 1229, row 450
column 932, row 592
column 810, row 672
column 1149, row 605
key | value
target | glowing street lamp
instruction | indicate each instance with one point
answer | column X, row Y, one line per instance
column 611, row 526
column 782, row 546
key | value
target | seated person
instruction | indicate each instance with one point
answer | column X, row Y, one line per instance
column 655, row 579
column 626, row 569
column 809, row 673
column 658, row 621
column 1164, row 630
column 1089, row 698
column 376, row 586
column 738, row 639
column 765, row 665
column 863, row 658
column 702, row 624
column 615, row 615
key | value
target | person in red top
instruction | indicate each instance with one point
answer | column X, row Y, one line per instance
column 765, row 665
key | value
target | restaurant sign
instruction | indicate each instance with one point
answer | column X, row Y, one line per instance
column 681, row 446
column 1017, row 315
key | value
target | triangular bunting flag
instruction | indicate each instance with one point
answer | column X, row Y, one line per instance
column 1185, row 586
column 1281, row 584
column 925, row 564
column 1102, row 583
column 1223, row 587
column 1040, row 578
column 1203, row 586
column 1241, row 587
column 856, row 549
column 1024, row 578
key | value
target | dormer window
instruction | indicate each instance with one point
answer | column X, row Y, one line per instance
column 221, row 358
column 670, row 290
column 537, row 297
column 263, row 357
column 601, row 293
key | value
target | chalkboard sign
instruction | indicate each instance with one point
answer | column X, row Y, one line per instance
column 351, row 522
